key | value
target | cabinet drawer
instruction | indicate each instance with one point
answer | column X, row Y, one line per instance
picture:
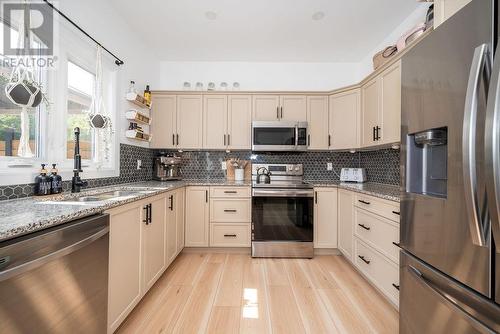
column 230, row 235
column 229, row 192
column 384, row 208
column 230, row 210
column 378, row 232
column 382, row 272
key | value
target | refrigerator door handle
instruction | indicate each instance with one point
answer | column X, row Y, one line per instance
column 492, row 149
column 480, row 64
column 449, row 302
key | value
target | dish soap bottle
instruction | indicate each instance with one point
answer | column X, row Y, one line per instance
column 55, row 181
column 42, row 183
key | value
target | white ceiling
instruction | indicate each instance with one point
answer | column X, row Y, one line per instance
column 264, row 30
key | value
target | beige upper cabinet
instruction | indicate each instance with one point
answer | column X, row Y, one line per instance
column 163, row 121
column 317, row 121
column 125, row 262
column 444, row 9
column 153, row 234
column 325, row 218
column 293, row 108
column 266, row 107
column 345, row 114
column 214, row 121
column 239, row 122
column 189, row 121
column 371, row 108
column 345, row 222
column 390, row 122
column 197, row 217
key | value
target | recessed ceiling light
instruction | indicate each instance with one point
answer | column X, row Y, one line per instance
column 318, row 16
column 211, row 15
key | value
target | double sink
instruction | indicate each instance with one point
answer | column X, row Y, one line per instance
column 102, row 197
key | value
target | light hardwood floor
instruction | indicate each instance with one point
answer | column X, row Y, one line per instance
column 233, row 293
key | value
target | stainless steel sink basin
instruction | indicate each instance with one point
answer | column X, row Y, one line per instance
column 111, row 195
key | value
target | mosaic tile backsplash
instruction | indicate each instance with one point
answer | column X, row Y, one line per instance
column 382, row 166
column 128, row 173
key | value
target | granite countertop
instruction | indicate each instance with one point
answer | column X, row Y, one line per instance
column 26, row 215
column 384, row 191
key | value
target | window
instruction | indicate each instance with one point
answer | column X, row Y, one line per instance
column 80, row 92
column 10, row 114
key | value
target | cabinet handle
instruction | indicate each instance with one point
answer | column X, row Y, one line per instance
column 177, row 139
column 315, row 197
column 397, row 244
column 396, row 213
column 229, row 235
column 373, row 135
column 171, row 199
column 378, row 132
column 364, row 226
column 281, row 111
column 395, row 286
column 230, row 210
column 329, row 140
column 224, row 140
column 228, row 139
column 278, row 112
column 230, row 192
column 173, row 139
column 364, row 260
column 364, row 202
column 146, row 220
column 206, row 196
column 150, row 213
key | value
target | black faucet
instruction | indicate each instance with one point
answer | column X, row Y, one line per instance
column 76, row 182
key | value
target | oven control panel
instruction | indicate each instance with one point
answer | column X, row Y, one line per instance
column 280, row 169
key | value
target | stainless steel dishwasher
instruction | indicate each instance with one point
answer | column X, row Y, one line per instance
column 56, row 280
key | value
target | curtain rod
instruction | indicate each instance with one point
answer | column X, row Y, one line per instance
column 118, row 61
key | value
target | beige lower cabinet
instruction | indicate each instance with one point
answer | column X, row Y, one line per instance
column 125, row 262
column 325, row 217
column 175, row 224
column 197, row 217
column 345, row 222
column 230, row 235
column 153, row 236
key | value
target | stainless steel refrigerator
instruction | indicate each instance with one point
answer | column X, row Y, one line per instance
column 450, row 163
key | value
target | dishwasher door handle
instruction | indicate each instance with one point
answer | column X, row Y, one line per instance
column 36, row 262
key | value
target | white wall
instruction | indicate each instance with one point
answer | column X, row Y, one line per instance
column 101, row 21
column 259, row 76
column 418, row 16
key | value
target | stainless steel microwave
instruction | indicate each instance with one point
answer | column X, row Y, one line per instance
column 279, row 136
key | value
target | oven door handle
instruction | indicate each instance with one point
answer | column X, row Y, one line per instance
column 282, row 193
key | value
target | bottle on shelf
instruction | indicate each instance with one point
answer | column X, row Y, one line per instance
column 55, row 181
column 131, row 88
column 147, row 96
column 42, row 183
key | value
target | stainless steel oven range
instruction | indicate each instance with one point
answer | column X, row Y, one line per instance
column 282, row 212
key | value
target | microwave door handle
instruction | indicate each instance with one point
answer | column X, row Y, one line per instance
column 296, row 136
column 492, row 148
column 479, row 66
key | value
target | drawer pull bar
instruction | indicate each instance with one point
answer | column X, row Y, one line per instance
column 230, row 192
column 364, row 260
column 364, row 202
column 364, row 226
column 230, row 210
column 396, row 213
column 395, row 286
column 229, row 235
column 396, row 244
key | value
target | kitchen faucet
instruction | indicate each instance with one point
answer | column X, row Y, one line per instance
column 76, row 182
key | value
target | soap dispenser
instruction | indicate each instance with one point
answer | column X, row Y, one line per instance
column 42, row 183
column 55, row 181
